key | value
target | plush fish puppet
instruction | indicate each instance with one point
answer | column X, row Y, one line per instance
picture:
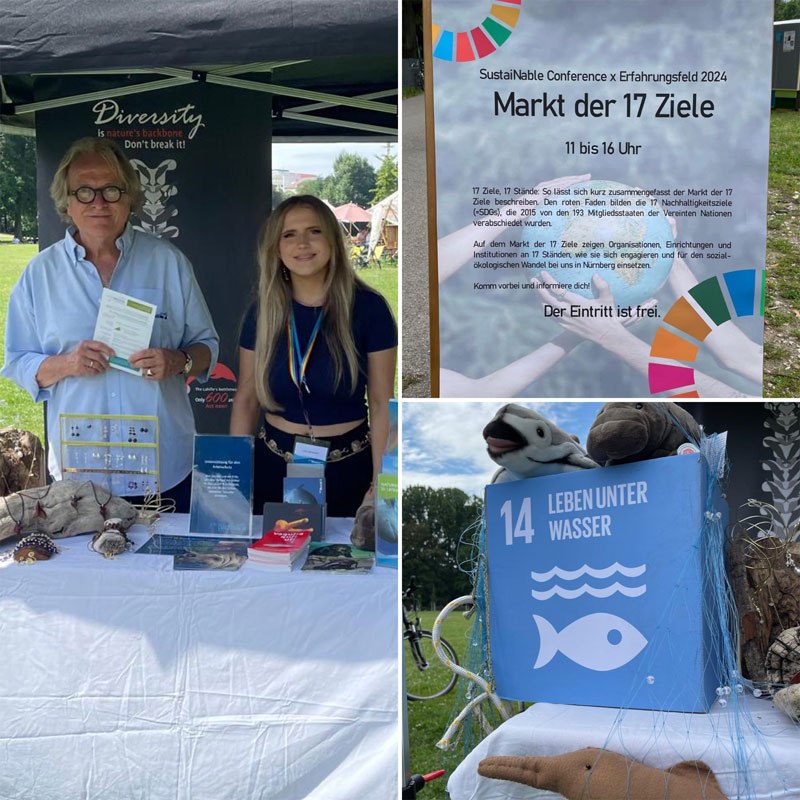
column 625, row 432
column 605, row 775
column 526, row 444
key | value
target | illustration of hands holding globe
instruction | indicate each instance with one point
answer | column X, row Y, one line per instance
column 609, row 248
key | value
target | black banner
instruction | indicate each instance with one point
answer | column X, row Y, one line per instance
column 202, row 153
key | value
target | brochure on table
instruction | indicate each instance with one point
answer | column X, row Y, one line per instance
column 281, row 517
column 125, row 324
column 222, row 486
column 600, row 196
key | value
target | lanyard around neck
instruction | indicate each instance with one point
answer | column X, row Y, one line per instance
column 298, row 361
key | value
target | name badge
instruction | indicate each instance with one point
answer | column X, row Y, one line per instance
column 310, row 451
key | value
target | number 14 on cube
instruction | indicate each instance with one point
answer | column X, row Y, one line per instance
column 523, row 528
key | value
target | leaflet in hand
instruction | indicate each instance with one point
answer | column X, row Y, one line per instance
column 125, row 324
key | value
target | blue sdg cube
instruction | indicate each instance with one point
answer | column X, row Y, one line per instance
column 596, row 591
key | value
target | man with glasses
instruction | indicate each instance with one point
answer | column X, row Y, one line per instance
column 53, row 308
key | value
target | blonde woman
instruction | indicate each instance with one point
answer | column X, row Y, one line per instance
column 317, row 351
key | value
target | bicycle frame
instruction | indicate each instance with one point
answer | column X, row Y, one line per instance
column 411, row 631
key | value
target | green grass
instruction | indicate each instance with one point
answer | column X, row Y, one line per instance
column 784, row 151
column 428, row 719
column 385, row 281
column 781, row 373
column 17, row 409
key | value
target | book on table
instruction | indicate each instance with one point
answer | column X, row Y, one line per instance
column 280, row 548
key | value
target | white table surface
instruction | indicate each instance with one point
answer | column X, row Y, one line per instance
column 126, row 679
column 657, row 738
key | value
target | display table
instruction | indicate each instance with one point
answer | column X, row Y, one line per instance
column 660, row 739
column 126, row 679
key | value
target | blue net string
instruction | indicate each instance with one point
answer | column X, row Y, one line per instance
column 736, row 731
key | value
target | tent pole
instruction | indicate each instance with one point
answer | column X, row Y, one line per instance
column 370, row 96
column 42, row 105
column 359, row 126
column 285, row 91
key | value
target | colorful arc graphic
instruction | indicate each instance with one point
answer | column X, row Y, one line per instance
column 688, row 326
column 480, row 41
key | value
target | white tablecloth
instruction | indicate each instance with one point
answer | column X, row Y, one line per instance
column 125, row 679
column 659, row 739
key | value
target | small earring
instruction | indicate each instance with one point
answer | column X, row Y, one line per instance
column 285, row 273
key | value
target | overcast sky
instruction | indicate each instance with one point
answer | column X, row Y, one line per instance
column 317, row 158
column 443, row 446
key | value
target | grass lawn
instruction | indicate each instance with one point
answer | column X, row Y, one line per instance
column 16, row 407
column 428, row 719
column 384, row 280
column 782, row 312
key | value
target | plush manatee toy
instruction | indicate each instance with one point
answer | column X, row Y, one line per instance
column 526, row 444
column 625, row 432
column 595, row 774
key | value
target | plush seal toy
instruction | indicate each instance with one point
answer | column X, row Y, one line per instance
column 625, row 432
column 526, row 444
column 598, row 774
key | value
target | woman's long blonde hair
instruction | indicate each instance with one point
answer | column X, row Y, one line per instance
column 275, row 297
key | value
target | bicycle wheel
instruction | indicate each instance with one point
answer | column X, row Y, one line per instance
column 433, row 679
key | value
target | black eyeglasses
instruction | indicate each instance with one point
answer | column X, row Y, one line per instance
column 86, row 195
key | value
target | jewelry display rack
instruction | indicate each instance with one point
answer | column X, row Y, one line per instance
column 119, row 452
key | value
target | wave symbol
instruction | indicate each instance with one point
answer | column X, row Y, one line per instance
column 605, row 572
column 571, row 594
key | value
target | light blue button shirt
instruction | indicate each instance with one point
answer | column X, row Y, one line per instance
column 54, row 306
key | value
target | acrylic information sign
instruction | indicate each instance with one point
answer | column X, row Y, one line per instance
column 600, row 196
column 222, row 486
column 596, row 587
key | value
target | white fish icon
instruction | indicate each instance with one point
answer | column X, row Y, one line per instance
column 600, row 642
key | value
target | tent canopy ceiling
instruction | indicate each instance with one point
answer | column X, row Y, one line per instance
column 51, row 36
column 307, row 53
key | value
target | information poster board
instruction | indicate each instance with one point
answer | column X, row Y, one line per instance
column 598, row 196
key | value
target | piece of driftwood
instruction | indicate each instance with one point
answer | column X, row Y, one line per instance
column 764, row 570
column 783, row 658
column 63, row 508
column 21, row 461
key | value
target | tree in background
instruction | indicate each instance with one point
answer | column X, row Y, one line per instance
column 787, row 9
column 353, row 180
column 433, row 521
column 18, row 185
column 385, row 177
column 314, row 186
column 278, row 196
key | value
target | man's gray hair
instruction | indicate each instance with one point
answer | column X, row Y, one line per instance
column 112, row 154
